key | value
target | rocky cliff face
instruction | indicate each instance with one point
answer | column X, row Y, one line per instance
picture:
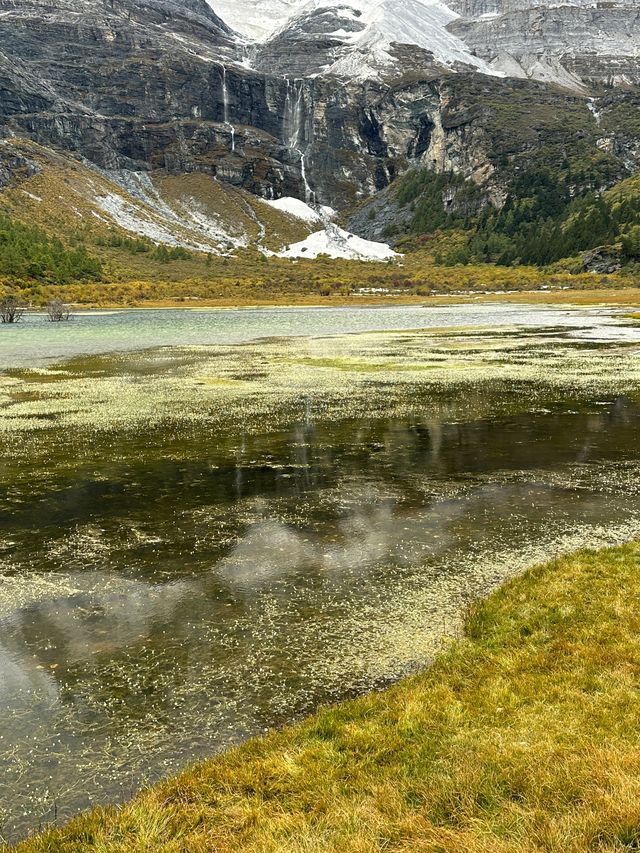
column 574, row 43
column 138, row 85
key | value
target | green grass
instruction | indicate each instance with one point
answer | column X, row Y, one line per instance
column 523, row 736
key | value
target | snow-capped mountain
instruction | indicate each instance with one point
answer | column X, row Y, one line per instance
column 323, row 101
column 359, row 39
column 561, row 43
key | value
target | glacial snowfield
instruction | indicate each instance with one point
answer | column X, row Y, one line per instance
column 370, row 29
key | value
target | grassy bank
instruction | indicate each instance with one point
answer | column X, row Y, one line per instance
column 137, row 280
column 524, row 736
column 626, row 297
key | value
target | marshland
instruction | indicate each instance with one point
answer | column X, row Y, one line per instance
column 216, row 522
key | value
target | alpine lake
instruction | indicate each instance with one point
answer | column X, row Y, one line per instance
column 214, row 521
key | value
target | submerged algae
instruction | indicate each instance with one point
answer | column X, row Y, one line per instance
column 272, row 383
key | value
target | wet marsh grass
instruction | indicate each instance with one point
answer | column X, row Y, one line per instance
column 353, row 365
column 523, row 736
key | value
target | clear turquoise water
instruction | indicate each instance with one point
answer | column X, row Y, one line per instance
column 36, row 340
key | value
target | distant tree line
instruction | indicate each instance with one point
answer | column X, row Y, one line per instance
column 542, row 220
column 28, row 252
column 140, row 246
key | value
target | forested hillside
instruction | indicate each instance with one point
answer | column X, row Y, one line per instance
column 542, row 220
column 28, row 252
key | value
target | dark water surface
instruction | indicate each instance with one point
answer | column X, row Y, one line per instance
column 163, row 596
column 165, row 610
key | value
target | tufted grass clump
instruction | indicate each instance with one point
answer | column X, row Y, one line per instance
column 523, row 736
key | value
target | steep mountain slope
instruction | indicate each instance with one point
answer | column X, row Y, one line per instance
column 192, row 211
column 358, row 39
column 329, row 107
column 83, row 204
column 571, row 43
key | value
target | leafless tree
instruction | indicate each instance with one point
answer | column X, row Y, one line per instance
column 57, row 311
column 11, row 311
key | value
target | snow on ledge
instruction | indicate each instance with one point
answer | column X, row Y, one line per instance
column 301, row 210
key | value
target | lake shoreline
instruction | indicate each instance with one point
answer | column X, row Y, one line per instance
column 629, row 296
column 35, row 341
column 473, row 753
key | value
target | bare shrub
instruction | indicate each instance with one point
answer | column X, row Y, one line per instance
column 57, row 311
column 11, row 310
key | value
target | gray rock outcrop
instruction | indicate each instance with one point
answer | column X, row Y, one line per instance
column 166, row 84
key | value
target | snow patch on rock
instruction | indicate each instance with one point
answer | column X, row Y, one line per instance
column 295, row 207
column 301, row 210
column 141, row 210
column 337, row 243
column 255, row 20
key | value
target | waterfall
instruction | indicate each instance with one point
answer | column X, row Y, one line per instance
column 225, row 94
column 287, row 113
column 298, row 118
column 294, row 131
column 225, row 104
column 595, row 112
column 309, row 195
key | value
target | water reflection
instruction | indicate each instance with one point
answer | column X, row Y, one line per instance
column 163, row 609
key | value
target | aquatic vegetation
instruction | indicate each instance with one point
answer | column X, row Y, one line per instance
column 269, row 382
column 221, row 538
column 521, row 737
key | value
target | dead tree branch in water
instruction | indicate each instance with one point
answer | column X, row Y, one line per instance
column 57, row 311
column 11, row 311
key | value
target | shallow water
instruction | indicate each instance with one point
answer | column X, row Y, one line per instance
column 166, row 592
column 35, row 340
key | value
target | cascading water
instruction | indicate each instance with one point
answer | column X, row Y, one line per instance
column 294, row 131
column 309, row 195
column 225, row 104
column 225, row 95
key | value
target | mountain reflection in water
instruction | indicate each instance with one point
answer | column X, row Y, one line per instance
column 192, row 604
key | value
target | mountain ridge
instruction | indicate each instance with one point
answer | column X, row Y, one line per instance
column 573, row 43
column 163, row 87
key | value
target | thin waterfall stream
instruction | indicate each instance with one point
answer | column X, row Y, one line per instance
column 294, row 131
column 225, row 103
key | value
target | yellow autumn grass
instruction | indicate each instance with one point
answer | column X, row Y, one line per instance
column 523, row 736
